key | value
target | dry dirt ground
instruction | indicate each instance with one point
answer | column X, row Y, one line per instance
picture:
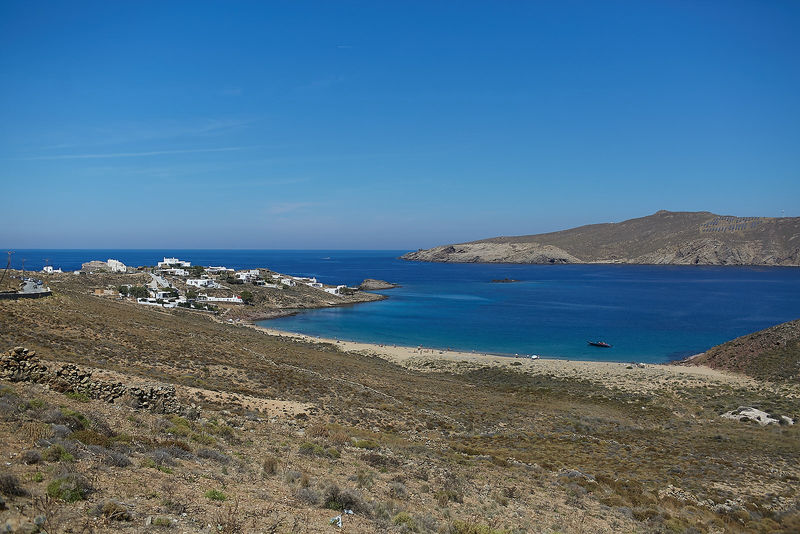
column 291, row 432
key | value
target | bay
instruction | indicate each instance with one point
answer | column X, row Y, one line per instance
column 648, row 313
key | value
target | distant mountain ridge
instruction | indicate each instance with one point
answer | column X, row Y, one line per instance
column 664, row 238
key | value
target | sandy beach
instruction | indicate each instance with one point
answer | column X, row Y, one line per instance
column 626, row 376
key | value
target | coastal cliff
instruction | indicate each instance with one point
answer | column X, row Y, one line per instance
column 664, row 238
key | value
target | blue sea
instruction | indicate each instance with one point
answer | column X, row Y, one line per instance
column 648, row 313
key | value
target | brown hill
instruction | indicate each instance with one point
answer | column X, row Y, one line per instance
column 772, row 354
column 680, row 238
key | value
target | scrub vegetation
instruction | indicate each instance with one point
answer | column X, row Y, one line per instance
column 286, row 435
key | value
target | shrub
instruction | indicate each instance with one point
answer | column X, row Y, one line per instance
column 216, row 495
column 90, row 437
column 346, row 499
column 31, row 457
column 270, row 465
column 74, row 420
column 116, row 459
column 112, row 510
column 397, row 490
column 77, row 395
column 57, row 453
column 162, row 521
column 378, row 460
column 468, row 527
column 405, row 520
column 292, row 475
column 308, row 495
column 312, row 449
column 162, row 457
column 70, row 487
column 212, row 454
column 366, row 444
column 9, row 486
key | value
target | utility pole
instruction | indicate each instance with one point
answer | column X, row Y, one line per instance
column 8, row 265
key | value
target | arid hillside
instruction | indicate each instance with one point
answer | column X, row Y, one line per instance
column 678, row 238
column 247, row 432
column 772, row 354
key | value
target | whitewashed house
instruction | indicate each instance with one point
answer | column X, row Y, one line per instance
column 218, row 270
column 248, row 276
column 338, row 290
column 49, row 270
column 202, row 297
column 175, row 271
column 173, row 262
column 288, row 282
column 202, row 282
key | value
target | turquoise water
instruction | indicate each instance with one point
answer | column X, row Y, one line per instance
column 648, row 313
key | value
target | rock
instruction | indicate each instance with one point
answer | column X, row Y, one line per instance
column 746, row 413
column 371, row 284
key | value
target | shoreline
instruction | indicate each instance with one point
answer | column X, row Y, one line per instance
column 608, row 374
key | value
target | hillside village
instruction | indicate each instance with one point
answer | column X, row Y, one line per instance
column 176, row 283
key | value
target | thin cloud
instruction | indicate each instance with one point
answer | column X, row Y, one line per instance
column 136, row 154
column 288, row 207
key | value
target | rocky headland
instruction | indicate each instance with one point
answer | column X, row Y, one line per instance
column 664, row 238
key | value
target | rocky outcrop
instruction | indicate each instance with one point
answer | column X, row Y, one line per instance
column 21, row 365
column 494, row 253
column 748, row 413
column 715, row 252
column 664, row 238
column 370, row 284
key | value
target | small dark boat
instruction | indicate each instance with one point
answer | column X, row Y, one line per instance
column 602, row 344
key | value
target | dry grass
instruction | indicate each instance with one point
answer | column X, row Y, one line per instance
column 438, row 450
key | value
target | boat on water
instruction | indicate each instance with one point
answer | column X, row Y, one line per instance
column 601, row 344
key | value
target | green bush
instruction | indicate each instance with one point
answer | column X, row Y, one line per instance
column 404, row 519
column 77, row 395
column 57, row 453
column 71, row 487
column 216, row 495
column 366, row 444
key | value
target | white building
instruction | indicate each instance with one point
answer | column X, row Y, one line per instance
column 202, row 282
column 314, row 284
column 175, row 271
column 288, row 282
column 338, row 290
column 173, row 262
column 218, row 270
column 248, row 276
column 49, row 270
column 234, row 300
column 116, row 266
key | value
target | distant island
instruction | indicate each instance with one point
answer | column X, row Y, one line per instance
column 664, row 238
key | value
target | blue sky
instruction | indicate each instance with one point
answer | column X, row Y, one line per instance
column 387, row 124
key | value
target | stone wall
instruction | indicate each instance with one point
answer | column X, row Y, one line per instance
column 21, row 365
